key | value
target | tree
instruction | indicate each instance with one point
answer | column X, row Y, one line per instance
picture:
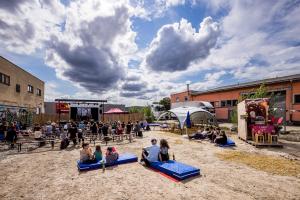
column 166, row 102
column 148, row 114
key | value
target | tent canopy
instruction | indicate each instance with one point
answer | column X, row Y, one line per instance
column 198, row 115
column 115, row 111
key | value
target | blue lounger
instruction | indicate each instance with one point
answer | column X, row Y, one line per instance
column 176, row 169
column 230, row 143
column 123, row 159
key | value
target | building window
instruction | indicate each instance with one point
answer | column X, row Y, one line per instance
column 234, row 102
column 30, row 88
column 18, row 88
column 177, row 99
column 223, row 103
column 297, row 98
column 186, row 98
column 38, row 92
column 229, row 103
column 4, row 79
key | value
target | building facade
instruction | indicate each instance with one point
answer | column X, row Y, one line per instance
column 286, row 92
column 19, row 90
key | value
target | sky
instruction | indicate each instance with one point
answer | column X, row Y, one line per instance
column 135, row 52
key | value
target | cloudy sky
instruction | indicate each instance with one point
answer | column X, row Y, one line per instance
column 137, row 51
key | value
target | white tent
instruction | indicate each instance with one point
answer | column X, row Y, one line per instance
column 197, row 115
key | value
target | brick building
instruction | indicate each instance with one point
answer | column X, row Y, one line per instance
column 285, row 89
column 19, row 90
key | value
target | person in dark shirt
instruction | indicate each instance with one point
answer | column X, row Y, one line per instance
column 73, row 132
column 128, row 128
column 11, row 135
column 221, row 139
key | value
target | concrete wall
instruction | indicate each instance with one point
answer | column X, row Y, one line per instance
column 8, row 94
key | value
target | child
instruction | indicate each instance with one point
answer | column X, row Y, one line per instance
column 111, row 155
column 98, row 153
column 164, row 148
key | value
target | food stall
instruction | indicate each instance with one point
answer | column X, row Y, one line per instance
column 255, row 123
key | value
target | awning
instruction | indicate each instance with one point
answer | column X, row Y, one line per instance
column 115, row 111
column 198, row 115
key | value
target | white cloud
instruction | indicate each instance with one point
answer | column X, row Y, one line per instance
column 177, row 45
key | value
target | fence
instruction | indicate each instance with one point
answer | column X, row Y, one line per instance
column 124, row 117
column 43, row 118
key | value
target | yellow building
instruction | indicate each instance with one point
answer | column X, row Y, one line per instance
column 19, row 90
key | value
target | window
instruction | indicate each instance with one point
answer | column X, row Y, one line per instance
column 18, row 88
column 38, row 92
column 212, row 103
column 186, row 98
column 30, row 88
column 297, row 98
column 223, row 103
column 229, row 103
column 4, row 79
column 234, row 102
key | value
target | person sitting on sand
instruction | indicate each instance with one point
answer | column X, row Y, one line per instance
column 111, row 155
column 221, row 139
column 164, row 150
column 86, row 155
column 98, row 153
column 150, row 154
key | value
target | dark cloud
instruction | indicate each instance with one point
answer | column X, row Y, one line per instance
column 93, row 64
column 177, row 45
column 17, row 32
column 134, row 86
column 11, row 5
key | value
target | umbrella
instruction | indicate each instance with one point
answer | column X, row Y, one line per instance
column 188, row 120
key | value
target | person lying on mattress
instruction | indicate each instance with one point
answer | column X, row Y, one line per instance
column 200, row 134
column 111, row 155
column 164, row 151
column 150, row 154
column 86, row 155
column 221, row 139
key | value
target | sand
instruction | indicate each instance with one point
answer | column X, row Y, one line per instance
column 52, row 174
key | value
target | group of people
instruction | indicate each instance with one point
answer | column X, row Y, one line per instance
column 155, row 153
column 11, row 132
column 150, row 154
column 87, row 156
column 215, row 135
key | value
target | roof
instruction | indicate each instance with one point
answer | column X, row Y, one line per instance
column 281, row 79
column 80, row 100
column 115, row 111
column 181, row 114
column 21, row 68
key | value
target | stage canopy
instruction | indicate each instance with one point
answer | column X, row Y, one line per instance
column 115, row 111
column 197, row 115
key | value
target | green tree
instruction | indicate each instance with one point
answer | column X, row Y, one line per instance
column 166, row 102
column 148, row 114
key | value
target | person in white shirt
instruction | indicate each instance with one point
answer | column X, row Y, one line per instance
column 150, row 154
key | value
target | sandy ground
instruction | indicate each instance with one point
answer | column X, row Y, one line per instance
column 52, row 174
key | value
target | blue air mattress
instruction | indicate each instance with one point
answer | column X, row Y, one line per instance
column 123, row 159
column 230, row 143
column 176, row 169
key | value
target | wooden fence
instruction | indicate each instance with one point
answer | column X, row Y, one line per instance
column 44, row 118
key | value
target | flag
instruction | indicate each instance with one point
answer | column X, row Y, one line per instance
column 188, row 120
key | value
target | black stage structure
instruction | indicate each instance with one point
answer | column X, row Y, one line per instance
column 95, row 107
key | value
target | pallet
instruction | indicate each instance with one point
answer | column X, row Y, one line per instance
column 259, row 144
